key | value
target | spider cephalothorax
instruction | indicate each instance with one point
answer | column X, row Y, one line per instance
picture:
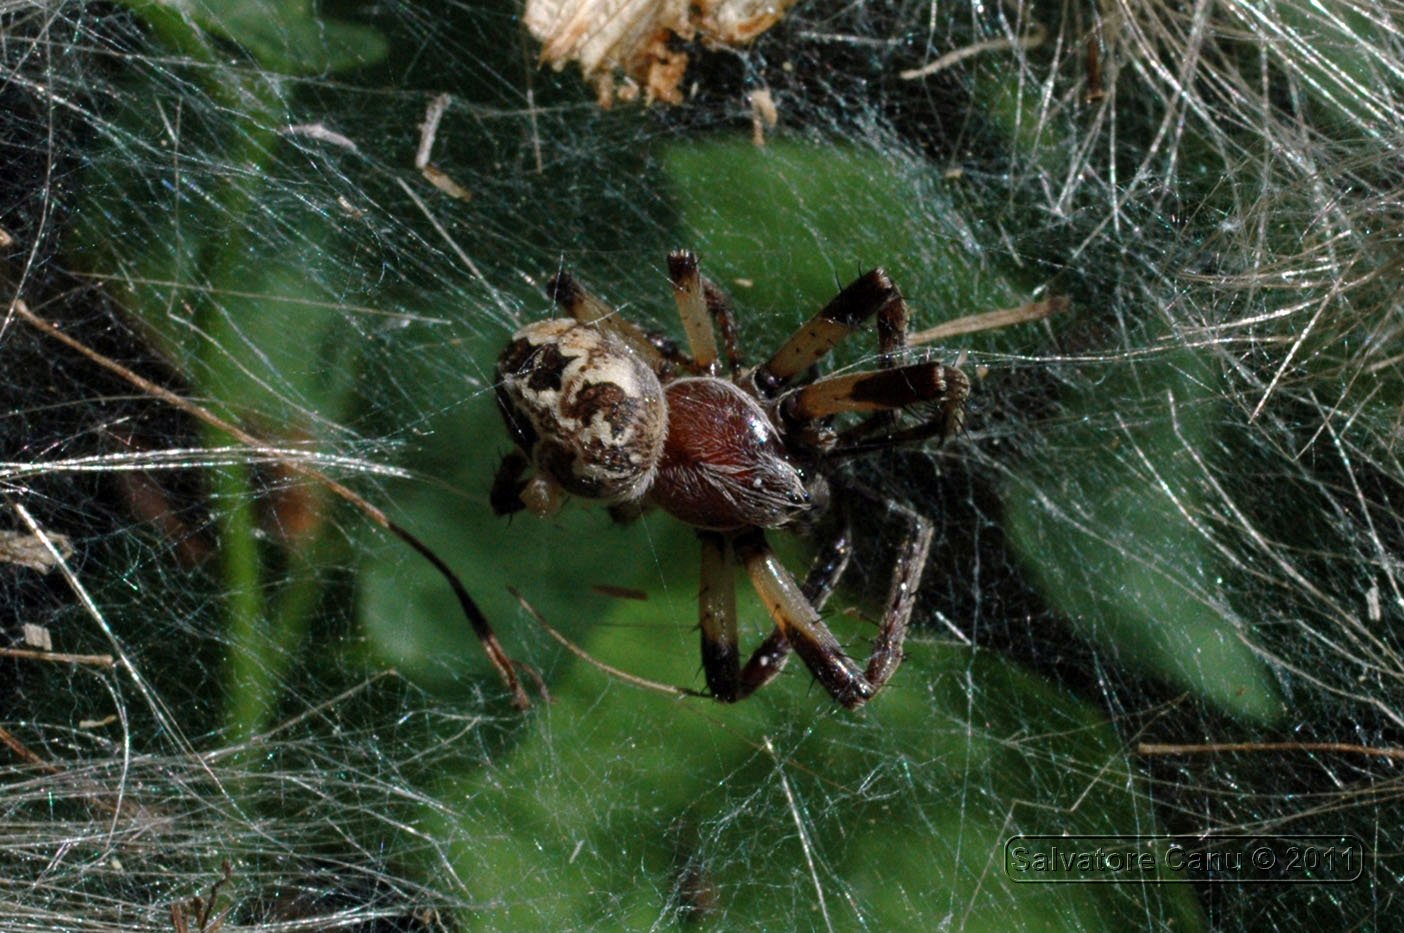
column 602, row 410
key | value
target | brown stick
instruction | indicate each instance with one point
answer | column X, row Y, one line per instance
column 1215, row 748
column 504, row 664
column 96, row 660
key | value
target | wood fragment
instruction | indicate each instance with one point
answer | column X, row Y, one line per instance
column 763, row 115
column 1031, row 39
column 28, row 550
column 990, row 320
column 626, row 47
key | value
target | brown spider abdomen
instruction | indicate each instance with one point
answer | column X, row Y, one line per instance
column 723, row 465
column 587, row 412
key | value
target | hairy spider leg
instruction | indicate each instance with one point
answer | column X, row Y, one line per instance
column 871, row 294
column 950, row 388
column 854, row 443
column 724, row 319
column 726, row 679
column 893, row 321
column 907, row 569
column 892, row 327
column 692, row 309
column 798, row 620
column 704, row 309
column 768, row 660
column 799, row 623
column 716, row 613
column 883, row 391
column 587, row 308
column 515, row 486
column 677, row 360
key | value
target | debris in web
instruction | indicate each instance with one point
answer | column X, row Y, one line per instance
column 25, row 549
column 990, row 320
column 428, row 131
column 1029, row 40
column 624, row 47
column 764, row 115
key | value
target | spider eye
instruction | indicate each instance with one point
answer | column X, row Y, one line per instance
column 584, row 408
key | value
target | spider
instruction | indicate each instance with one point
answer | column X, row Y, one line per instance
column 600, row 409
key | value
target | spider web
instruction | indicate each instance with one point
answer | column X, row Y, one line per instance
column 1165, row 588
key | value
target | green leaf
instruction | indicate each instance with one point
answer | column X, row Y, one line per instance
column 1112, row 524
column 784, row 808
column 287, row 36
column 785, row 226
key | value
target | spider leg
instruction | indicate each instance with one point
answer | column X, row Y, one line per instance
column 724, row 319
column 884, row 396
column 716, row 600
column 870, row 294
column 796, row 612
column 726, row 679
column 768, row 660
column 673, row 354
column 856, row 440
column 704, row 309
column 880, row 431
column 901, row 595
column 692, row 309
column 883, row 392
column 587, row 308
column 877, row 390
column 516, row 486
column 892, row 327
column 828, row 567
column 892, row 322
column 800, row 623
